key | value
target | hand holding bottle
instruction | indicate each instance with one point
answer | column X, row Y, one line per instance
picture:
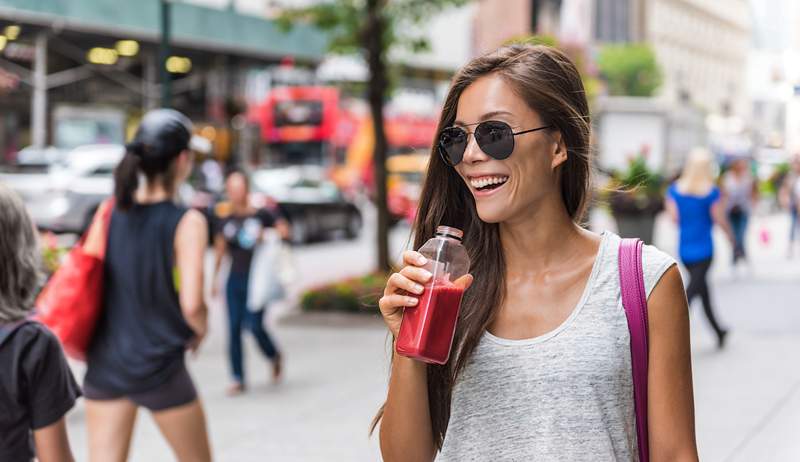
column 404, row 288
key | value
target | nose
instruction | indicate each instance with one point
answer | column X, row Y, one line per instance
column 473, row 153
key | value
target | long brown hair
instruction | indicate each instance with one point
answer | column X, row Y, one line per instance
column 550, row 84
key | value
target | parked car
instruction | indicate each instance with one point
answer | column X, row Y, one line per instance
column 63, row 195
column 314, row 206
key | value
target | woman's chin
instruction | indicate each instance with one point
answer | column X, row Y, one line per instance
column 491, row 214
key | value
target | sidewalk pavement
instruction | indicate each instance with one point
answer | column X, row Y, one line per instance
column 747, row 397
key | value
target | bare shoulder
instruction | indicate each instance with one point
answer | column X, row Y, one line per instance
column 669, row 287
column 655, row 265
column 192, row 225
column 667, row 308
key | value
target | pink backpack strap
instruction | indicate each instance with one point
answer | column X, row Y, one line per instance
column 634, row 299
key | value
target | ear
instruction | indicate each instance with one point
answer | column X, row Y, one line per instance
column 559, row 151
column 186, row 156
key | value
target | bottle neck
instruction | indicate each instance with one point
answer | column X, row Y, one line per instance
column 448, row 237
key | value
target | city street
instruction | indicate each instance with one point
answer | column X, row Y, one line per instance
column 747, row 396
column 315, row 106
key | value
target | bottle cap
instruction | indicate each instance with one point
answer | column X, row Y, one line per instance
column 448, row 231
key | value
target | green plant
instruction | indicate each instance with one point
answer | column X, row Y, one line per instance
column 637, row 189
column 629, row 69
column 52, row 253
column 355, row 295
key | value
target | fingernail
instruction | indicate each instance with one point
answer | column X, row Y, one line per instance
column 427, row 275
column 412, row 301
column 418, row 288
column 422, row 260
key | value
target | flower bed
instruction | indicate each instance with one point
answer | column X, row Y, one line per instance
column 355, row 295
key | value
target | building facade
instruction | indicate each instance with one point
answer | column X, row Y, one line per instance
column 702, row 47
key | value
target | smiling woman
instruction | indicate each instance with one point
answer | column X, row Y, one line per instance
column 541, row 365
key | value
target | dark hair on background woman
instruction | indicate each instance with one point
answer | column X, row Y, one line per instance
column 550, row 84
column 161, row 137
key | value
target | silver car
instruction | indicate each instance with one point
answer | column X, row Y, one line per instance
column 64, row 197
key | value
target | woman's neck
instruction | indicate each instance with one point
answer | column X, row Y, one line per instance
column 151, row 193
column 541, row 239
column 240, row 208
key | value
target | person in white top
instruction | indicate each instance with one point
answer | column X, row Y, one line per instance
column 739, row 193
column 512, row 170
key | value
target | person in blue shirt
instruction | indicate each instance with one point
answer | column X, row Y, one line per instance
column 694, row 203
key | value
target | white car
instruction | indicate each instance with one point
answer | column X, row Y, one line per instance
column 64, row 197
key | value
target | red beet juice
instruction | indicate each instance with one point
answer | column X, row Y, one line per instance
column 427, row 329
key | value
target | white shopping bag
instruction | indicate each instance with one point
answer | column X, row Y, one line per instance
column 271, row 272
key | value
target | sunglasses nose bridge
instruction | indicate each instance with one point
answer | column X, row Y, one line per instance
column 473, row 152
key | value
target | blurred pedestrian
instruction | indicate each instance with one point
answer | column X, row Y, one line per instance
column 239, row 232
column 36, row 386
column 693, row 202
column 540, row 365
column 790, row 198
column 153, row 308
column 739, row 193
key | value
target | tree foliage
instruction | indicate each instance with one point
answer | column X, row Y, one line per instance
column 373, row 28
column 346, row 20
column 629, row 69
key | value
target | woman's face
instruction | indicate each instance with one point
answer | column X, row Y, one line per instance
column 236, row 187
column 529, row 175
column 185, row 164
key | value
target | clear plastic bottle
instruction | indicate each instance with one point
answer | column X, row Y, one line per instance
column 426, row 331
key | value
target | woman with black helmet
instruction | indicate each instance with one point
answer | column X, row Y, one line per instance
column 153, row 308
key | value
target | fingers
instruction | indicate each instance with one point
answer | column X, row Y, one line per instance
column 410, row 279
column 411, row 257
column 464, row 281
column 390, row 303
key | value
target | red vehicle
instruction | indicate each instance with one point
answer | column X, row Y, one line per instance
column 298, row 124
column 315, row 125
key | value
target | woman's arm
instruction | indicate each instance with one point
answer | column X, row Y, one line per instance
column 718, row 215
column 190, row 245
column 672, row 209
column 219, row 251
column 405, row 433
column 670, row 394
column 52, row 444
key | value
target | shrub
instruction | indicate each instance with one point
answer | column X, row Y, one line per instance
column 355, row 295
column 637, row 189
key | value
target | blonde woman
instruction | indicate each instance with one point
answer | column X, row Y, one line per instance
column 694, row 203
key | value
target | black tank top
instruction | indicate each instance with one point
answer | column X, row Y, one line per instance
column 141, row 336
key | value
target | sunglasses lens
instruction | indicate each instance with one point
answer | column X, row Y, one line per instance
column 452, row 143
column 495, row 139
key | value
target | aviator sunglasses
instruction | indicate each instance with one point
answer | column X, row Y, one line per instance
column 494, row 137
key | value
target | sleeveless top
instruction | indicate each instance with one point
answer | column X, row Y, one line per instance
column 141, row 335
column 564, row 395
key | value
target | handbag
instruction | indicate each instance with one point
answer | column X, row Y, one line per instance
column 267, row 280
column 634, row 300
column 72, row 299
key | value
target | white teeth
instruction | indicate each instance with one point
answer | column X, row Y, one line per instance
column 487, row 180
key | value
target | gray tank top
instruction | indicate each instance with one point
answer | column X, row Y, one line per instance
column 565, row 395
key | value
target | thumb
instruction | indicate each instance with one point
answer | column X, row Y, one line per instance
column 464, row 281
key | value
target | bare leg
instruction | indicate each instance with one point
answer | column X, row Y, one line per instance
column 184, row 427
column 110, row 426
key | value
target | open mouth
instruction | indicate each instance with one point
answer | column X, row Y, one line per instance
column 488, row 183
